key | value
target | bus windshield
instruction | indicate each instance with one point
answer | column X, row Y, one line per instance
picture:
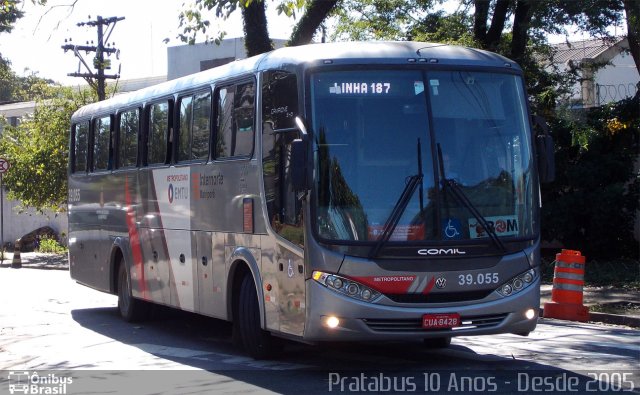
column 376, row 131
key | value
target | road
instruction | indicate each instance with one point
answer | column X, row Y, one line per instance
column 52, row 326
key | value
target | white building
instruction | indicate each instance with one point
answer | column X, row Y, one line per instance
column 608, row 71
column 189, row 59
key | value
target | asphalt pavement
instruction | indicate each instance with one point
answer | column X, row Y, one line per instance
column 608, row 305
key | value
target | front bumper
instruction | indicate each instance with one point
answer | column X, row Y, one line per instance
column 362, row 321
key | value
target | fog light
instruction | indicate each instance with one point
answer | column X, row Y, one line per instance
column 530, row 314
column 366, row 294
column 332, row 322
column 337, row 283
column 528, row 277
column 506, row 289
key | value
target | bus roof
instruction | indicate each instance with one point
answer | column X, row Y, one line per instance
column 340, row 53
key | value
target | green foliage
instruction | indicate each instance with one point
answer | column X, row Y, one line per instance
column 592, row 204
column 361, row 20
column 623, row 273
column 37, row 150
column 50, row 245
column 9, row 14
column 16, row 88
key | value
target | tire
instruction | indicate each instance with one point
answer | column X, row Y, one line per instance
column 130, row 308
column 258, row 343
column 437, row 342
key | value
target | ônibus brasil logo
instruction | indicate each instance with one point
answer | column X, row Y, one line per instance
column 35, row 383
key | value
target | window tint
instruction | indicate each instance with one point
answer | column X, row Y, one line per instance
column 235, row 133
column 195, row 113
column 184, row 129
column 80, row 145
column 280, row 107
column 157, row 137
column 280, row 99
column 128, row 144
column 201, row 126
column 101, row 137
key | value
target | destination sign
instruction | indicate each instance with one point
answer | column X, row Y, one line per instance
column 360, row 88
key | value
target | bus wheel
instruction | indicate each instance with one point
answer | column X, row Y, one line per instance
column 131, row 309
column 257, row 343
column 437, row 342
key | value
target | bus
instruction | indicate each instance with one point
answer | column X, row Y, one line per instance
column 327, row 192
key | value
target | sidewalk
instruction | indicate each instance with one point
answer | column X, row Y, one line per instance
column 606, row 304
column 38, row 260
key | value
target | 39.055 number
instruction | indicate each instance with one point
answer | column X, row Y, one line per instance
column 478, row 279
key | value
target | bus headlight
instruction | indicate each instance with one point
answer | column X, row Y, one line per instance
column 518, row 283
column 346, row 286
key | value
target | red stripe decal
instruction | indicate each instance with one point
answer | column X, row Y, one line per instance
column 429, row 286
column 388, row 284
column 134, row 240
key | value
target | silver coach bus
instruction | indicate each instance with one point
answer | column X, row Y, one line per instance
column 329, row 192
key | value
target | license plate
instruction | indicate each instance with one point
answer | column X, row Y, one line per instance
column 440, row 321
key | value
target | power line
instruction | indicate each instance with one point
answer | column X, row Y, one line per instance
column 96, row 79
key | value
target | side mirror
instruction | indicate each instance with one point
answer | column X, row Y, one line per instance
column 545, row 149
column 298, row 163
column 546, row 158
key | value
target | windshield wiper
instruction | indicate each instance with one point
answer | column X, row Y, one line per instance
column 396, row 213
column 408, row 191
column 462, row 198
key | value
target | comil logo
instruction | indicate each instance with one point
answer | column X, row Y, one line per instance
column 35, row 383
column 441, row 251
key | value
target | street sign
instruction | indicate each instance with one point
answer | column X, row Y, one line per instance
column 4, row 165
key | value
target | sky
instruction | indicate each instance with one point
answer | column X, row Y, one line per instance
column 36, row 40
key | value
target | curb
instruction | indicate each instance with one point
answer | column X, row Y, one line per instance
column 36, row 266
column 606, row 318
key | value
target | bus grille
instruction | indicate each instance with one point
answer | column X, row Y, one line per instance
column 442, row 297
column 415, row 324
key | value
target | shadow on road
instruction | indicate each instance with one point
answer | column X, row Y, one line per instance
column 205, row 343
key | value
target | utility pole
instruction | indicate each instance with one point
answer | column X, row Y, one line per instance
column 100, row 64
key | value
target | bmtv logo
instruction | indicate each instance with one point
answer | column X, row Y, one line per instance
column 35, row 383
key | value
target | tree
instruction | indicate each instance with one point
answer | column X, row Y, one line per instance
column 16, row 88
column 257, row 39
column 592, row 204
column 632, row 10
column 37, row 149
column 9, row 14
column 504, row 26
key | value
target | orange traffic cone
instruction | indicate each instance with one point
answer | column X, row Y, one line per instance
column 567, row 292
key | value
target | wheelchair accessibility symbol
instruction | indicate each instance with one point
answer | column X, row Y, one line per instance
column 451, row 229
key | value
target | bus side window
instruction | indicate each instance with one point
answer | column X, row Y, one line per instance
column 184, row 128
column 80, row 145
column 129, row 126
column 194, row 127
column 157, row 133
column 236, row 113
column 279, row 108
column 101, row 143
